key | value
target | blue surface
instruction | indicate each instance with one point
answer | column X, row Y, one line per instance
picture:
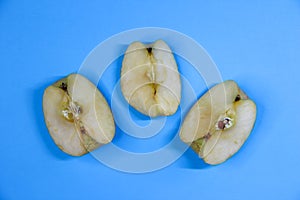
column 256, row 43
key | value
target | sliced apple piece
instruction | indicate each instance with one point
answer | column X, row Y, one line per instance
column 77, row 115
column 219, row 123
column 150, row 80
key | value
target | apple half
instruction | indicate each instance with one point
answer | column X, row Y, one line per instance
column 150, row 80
column 219, row 123
column 77, row 115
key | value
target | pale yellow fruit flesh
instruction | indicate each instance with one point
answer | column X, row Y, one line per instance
column 150, row 80
column 62, row 131
column 78, row 132
column 231, row 140
column 200, row 127
column 206, row 111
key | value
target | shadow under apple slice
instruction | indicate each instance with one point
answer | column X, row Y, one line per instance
column 190, row 160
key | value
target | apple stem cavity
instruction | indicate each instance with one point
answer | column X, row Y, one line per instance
column 149, row 49
column 64, row 87
column 237, row 98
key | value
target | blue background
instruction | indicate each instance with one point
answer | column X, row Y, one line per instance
column 256, row 43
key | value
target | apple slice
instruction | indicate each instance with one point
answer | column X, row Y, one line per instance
column 219, row 123
column 77, row 115
column 150, row 80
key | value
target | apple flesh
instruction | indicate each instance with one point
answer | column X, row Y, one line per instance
column 150, row 80
column 219, row 123
column 77, row 115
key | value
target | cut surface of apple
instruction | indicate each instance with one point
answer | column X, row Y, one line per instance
column 150, row 80
column 219, row 123
column 77, row 115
